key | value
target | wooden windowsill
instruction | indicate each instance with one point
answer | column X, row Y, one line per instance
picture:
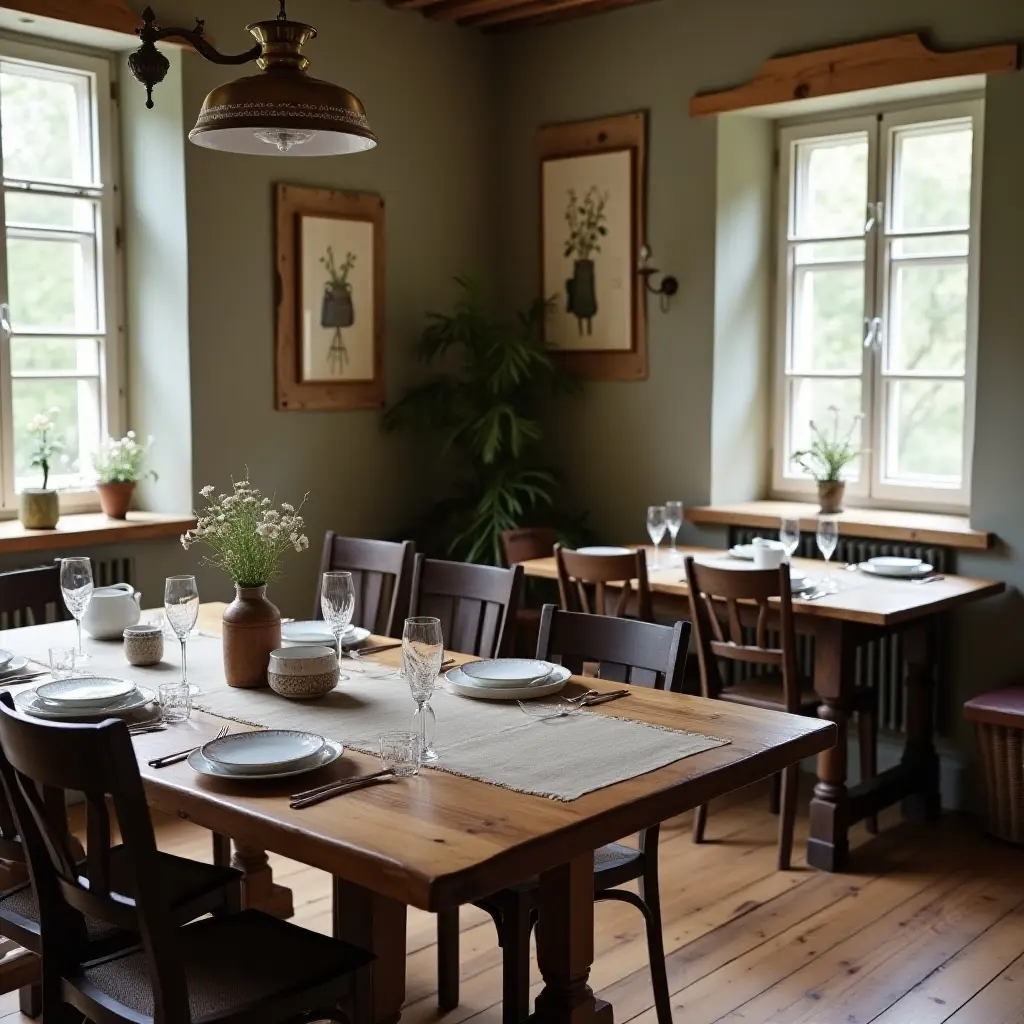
column 90, row 530
column 881, row 524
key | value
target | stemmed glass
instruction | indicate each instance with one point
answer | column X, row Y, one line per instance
column 673, row 520
column 181, row 607
column 77, row 586
column 656, row 529
column 422, row 655
column 338, row 603
column 827, row 538
column 789, row 535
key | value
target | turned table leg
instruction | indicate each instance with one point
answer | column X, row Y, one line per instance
column 259, row 890
column 565, row 946
column 924, row 802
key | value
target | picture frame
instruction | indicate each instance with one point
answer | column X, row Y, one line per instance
column 592, row 178
column 329, row 267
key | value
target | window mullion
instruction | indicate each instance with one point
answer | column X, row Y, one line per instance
column 873, row 259
column 7, row 494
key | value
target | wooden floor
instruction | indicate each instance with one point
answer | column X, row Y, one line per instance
column 930, row 928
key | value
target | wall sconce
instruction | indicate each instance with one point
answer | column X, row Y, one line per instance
column 669, row 285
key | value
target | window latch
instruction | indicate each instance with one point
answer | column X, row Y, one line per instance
column 873, row 332
column 874, row 216
column 5, row 319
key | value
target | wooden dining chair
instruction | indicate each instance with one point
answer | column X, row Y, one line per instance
column 584, row 582
column 30, row 597
column 237, row 967
column 382, row 576
column 476, row 604
column 523, row 546
column 626, row 651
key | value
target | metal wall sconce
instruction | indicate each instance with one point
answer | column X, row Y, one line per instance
column 669, row 285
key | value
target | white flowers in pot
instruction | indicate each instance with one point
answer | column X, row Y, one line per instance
column 40, row 507
column 119, row 466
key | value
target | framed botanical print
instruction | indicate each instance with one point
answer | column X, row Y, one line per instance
column 592, row 217
column 330, row 299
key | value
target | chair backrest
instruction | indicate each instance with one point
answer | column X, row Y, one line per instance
column 720, row 600
column 382, row 575
column 526, row 544
column 27, row 596
column 583, row 582
column 477, row 604
column 42, row 762
column 626, row 650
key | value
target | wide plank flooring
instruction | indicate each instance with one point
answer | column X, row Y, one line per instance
column 928, row 929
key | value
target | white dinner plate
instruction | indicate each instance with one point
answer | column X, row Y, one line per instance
column 891, row 565
column 507, row 672
column 28, row 703
column 15, row 667
column 603, row 549
column 461, row 685
column 317, row 632
column 264, row 751
column 329, row 753
column 924, row 569
column 85, row 691
column 6, row 657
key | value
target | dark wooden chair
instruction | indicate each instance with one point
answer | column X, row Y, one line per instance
column 626, row 651
column 30, row 597
column 523, row 546
column 584, row 580
column 382, row 575
column 476, row 604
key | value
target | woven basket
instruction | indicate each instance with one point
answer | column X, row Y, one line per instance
column 1002, row 754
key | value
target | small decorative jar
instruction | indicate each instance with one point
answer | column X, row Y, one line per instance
column 304, row 672
column 143, row 644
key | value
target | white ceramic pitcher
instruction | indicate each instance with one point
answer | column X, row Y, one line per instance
column 111, row 610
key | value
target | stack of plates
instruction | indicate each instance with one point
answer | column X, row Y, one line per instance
column 603, row 549
column 507, row 679
column 897, row 568
column 745, row 552
column 11, row 666
column 267, row 754
column 317, row 633
column 84, row 697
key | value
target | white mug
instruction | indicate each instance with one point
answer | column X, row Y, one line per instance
column 767, row 554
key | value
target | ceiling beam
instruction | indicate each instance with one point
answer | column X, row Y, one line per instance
column 518, row 10
column 556, row 14
column 460, row 10
column 409, row 5
column 113, row 15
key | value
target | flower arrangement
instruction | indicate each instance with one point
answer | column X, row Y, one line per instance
column 586, row 220
column 124, row 461
column 246, row 534
column 828, row 455
column 45, row 445
column 337, row 277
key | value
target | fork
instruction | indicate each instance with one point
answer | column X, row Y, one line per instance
column 181, row 755
column 573, row 704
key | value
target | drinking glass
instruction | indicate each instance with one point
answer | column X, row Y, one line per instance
column 181, row 606
column 77, row 586
column 338, row 603
column 827, row 538
column 62, row 662
column 175, row 701
column 656, row 529
column 422, row 655
column 674, row 521
column 400, row 753
column 789, row 535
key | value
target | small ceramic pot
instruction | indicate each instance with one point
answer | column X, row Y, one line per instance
column 115, row 499
column 144, row 644
column 39, row 509
column 830, row 496
column 303, row 673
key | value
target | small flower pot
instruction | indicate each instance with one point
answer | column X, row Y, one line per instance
column 39, row 509
column 830, row 496
column 115, row 499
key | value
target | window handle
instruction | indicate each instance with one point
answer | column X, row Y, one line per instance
column 874, row 216
column 5, row 319
column 873, row 332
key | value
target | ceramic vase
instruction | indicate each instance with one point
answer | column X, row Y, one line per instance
column 830, row 496
column 115, row 499
column 39, row 509
column 581, row 295
column 252, row 629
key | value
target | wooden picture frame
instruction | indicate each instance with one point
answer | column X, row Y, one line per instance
column 559, row 144
column 307, row 219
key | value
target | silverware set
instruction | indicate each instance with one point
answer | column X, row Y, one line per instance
column 309, row 797
column 570, row 705
column 182, row 755
column 140, row 728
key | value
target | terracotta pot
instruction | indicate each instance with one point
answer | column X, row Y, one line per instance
column 115, row 499
column 830, row 496
column 252, row 629
column 39, row 509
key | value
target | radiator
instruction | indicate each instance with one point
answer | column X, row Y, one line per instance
column 879, row 663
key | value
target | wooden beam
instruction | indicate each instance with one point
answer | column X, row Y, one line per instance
column 896, row 60
column 515, row 10
column 464, row 11
column 113, row 15
column 557, row 14
column 408, row 5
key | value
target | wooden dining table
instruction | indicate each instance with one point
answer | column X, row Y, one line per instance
column 862, row 609
column 439, row 840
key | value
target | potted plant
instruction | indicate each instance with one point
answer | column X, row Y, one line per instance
column 40, row 506
column 586, row 219
column 246, row 536
column 119, row 466
column 826, row 458
column 336, row 310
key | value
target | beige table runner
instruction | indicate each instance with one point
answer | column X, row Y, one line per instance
column 489, row 741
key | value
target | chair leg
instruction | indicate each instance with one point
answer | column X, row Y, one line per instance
column 448, row 959
column 514, row 936
column 700, row 819
column 30, row 1000
column 787, row 820
column 775, row 794
column 651, row 895
column 867, row 734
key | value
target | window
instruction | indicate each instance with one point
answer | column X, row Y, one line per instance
column 877, row 299
column 58, row 281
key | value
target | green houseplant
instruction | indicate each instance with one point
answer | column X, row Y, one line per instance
column 39, row 507
column 826, row 458
column 119, row 466
column 483, row 407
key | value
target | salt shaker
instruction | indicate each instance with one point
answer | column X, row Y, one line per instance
column 143, row 644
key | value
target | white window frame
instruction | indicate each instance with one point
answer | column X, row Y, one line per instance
column 878, row 125
column 105, row 187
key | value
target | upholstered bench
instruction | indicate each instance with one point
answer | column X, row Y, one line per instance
column 998, row 719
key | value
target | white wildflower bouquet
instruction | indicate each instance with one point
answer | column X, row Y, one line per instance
column 246, row 534
column 44, row 444
column 122, row 462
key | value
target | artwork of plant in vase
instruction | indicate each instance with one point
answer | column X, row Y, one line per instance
column 337, row 310
column 586, row 220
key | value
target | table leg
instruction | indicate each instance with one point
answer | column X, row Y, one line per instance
column 834, row 664
column 924, row 802
column 565, row 946
column 375, row 923
column 259, row 890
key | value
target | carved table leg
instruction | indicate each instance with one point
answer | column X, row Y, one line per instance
column 565, row 946
column 919, row 757
column 259, row 891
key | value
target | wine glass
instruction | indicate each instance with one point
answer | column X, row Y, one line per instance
column 338, row 603
column 181, row 607
column 656, row 529
column 422, row 655
column 827, row 538
column 674, row 521
column 789, row 535
column 77, row 586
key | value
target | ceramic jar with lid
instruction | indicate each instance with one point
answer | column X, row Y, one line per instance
column 143, row 644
